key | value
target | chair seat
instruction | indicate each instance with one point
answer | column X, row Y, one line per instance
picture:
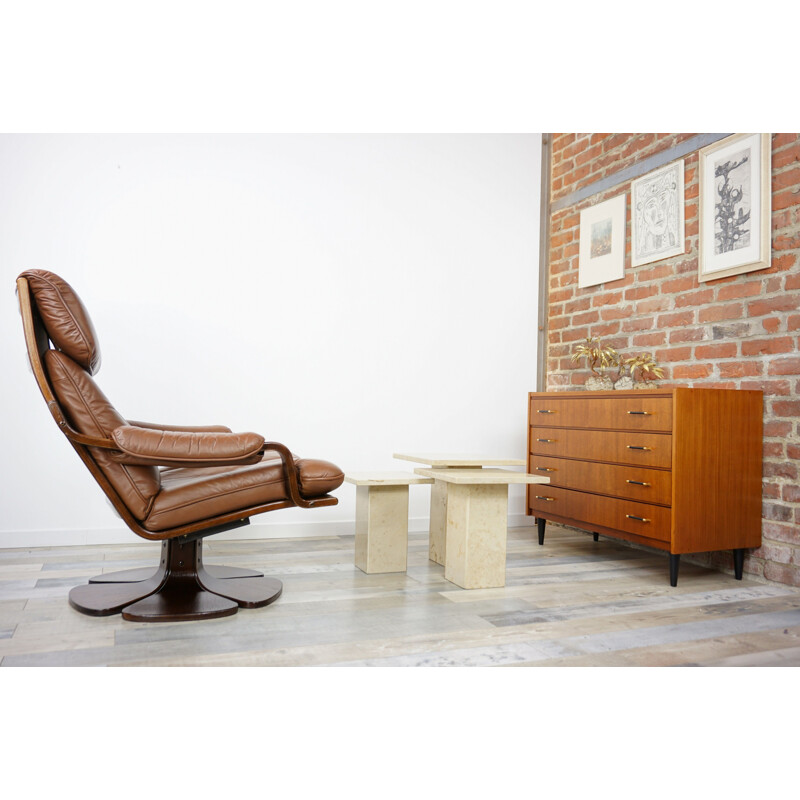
column 191, row 494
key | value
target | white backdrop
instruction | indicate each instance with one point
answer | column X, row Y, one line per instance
column 348, row 295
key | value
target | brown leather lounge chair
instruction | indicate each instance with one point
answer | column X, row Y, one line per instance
column 169, row 483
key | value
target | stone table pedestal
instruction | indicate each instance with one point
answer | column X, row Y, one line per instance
column 476, row 523
column 382, row 519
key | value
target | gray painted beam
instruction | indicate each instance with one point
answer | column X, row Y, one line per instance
column 638, row 169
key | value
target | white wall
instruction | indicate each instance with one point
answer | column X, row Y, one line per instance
column 348, row 295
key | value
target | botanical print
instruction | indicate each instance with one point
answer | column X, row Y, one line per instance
column 733, row 206
column 657, row 215
column 601, row 238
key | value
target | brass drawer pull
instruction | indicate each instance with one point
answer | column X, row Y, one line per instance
column 638, row 483
column 542, row 497
column 639, row 519
column 545, row 440
column 544, row 411
column 642, row 413
column 633, row 447
column 545, row 469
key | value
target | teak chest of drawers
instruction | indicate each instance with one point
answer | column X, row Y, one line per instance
column 677, row 469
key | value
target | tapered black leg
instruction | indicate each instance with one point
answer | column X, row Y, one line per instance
column 596, row 537
column 674, row 562
column 738, row 563
column 540, row 523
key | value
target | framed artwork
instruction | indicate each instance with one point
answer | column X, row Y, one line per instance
column 601, row 254
column 735, row 205
column 657, row 223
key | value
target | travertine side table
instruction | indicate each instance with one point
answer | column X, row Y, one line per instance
column 382, row 519
column 476, row 525
column 438, row 540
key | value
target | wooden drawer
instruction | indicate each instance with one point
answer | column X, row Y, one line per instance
column 588, row 510
column 625, row 412
column 633, row 483
column 620, row 447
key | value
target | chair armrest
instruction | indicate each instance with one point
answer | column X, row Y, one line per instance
column 290, row 476
column 191, row 428
column 173, row 448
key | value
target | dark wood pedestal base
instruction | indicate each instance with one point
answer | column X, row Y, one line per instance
column 180, row 589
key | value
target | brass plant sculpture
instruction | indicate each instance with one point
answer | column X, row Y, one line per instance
column 645, row 364
column 596, row 355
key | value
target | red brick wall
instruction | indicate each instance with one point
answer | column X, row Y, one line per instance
column 742, row 331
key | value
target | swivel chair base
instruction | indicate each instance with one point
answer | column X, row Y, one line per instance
column 181, row 589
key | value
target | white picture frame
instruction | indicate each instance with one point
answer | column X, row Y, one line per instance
column 658, row 228
column 601, row 253
column 735, row 176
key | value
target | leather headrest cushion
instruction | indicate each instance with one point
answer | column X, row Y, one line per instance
column 64, row 316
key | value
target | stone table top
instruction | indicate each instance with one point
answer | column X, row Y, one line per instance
column 480, row 476
column 377, row 478
column 460, row 460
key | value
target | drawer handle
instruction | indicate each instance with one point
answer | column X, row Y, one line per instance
column 542, row 497
column 641, row 413
column 633, row 447
column 545, row 440
column 639, row 519
column 638, row 483
column 545, row 469
column 544, row 411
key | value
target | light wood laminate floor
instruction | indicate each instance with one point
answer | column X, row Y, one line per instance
column 573, row 602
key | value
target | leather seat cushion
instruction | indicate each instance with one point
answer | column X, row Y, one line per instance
column 191, row 494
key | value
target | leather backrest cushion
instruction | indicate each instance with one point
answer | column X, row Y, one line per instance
column 65, row 317
column 89, row 411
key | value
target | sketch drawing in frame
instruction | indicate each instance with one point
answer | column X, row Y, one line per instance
column 601, row 255
column 657, row 219
column 735, row 206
